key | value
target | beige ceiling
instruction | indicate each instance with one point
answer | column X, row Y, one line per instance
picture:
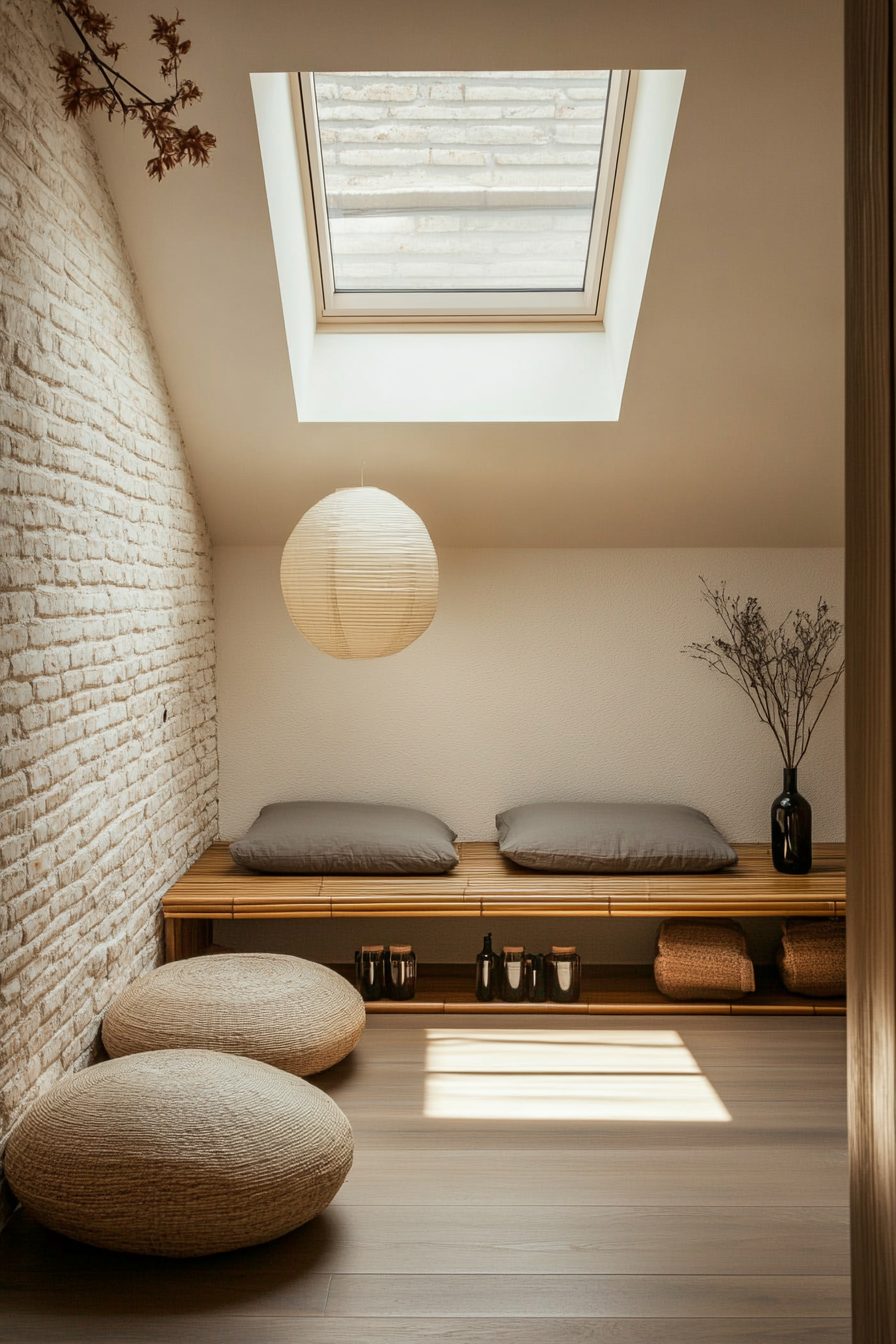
column 731, row 430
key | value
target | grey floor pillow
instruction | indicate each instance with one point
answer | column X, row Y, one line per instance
column 323, row 837
column 612, row 838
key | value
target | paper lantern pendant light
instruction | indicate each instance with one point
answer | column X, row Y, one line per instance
column 359, row 574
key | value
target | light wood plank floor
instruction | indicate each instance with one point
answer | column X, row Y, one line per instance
column 492, row 1228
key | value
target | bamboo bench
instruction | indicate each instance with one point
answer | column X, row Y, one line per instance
column 485, row 884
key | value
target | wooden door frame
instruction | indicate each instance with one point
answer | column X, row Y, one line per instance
column 871, row 867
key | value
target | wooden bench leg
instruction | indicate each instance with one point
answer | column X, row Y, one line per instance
column 186, row 938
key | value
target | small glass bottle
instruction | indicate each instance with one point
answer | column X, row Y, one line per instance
column 536, row 977
column 564, row 974
column 401, row 971
column 369, row 972
column 486, row 972
column 513, row 975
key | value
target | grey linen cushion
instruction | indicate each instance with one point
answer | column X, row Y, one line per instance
column 612, row 838
column 311, row 837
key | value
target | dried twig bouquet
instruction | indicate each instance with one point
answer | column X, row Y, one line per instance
column 788, row 671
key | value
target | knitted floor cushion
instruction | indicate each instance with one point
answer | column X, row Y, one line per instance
column 294, row 1014
column 703, row 959
column 180, row 1153
column 812, row 956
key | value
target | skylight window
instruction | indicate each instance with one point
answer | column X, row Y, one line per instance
column 462, row 196
column 470, row 356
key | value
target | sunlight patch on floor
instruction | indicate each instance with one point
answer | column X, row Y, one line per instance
column 566, row 1075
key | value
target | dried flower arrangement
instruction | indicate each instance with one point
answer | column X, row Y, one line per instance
column 116, row 94
column 785, row 670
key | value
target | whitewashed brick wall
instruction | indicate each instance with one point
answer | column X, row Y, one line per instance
column 107, row 693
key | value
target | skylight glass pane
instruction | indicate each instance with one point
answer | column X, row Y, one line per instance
column 460, row 181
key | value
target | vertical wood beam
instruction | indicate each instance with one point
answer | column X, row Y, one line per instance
column 187, row 938
column 871, row 869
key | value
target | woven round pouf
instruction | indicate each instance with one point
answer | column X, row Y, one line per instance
column 179, row 1152
column 295, row 1014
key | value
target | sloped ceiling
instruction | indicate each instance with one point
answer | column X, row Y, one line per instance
column 731, row 430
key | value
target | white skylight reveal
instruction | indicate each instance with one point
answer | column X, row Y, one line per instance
column 421, row 363
column 462, row 194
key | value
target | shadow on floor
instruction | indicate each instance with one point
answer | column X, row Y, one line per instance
column 47, row 1274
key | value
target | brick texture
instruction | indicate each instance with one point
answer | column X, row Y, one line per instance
column 107, row 693
column 480, row 179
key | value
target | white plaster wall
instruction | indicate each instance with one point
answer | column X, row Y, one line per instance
column 545, row 674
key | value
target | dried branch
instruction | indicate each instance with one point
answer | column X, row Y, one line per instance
column 786, row 671
column 116, row 94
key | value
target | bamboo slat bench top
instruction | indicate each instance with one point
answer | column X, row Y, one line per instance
column 485, row 884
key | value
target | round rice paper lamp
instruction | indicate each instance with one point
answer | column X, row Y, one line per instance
column 359, row 574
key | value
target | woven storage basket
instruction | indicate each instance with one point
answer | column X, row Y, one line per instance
column 703, row 959
column 291, row 1013
column 812, row 957
column 179, row 1152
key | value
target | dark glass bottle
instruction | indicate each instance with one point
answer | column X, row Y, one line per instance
column 513, row 975
column 486, row 972
column 536, row 976
column 791, row 829
column 564, row 974
column 369, row 973
column 401, row 971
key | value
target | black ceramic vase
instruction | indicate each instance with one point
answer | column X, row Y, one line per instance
column 791, row 829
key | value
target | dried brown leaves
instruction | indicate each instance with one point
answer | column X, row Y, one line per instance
column 115, row 94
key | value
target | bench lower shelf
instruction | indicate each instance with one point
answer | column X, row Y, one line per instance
column 605, row 989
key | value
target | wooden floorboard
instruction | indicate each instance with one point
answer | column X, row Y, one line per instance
column 538, row 1238
column 487, row 1231
column 696, row 1178
column 426, row 1330
column 554, row 1296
